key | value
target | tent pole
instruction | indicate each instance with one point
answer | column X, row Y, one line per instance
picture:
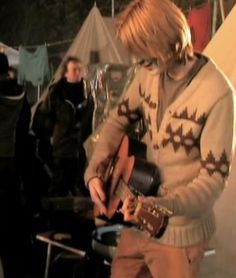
column 112, row 8
column 214, row 17
column 38, row 92
column 222, row 10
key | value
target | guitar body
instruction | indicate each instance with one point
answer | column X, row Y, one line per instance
column 130, row 174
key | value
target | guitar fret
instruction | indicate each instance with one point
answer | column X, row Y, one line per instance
column 123, row 190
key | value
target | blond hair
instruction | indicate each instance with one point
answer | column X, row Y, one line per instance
column 155, row 29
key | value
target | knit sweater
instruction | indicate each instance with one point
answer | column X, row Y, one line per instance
column 192, row 147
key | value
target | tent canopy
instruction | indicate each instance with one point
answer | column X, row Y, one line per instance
column 96, row 42
column 221, row 48
column 97, row 34
column 12, row 54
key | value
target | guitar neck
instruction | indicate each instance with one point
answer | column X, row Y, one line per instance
column 123, row 190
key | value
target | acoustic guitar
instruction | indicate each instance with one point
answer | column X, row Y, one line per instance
column 130, row 174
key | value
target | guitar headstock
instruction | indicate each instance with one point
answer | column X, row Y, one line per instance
column 152, row 218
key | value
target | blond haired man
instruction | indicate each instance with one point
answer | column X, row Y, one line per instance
column 187, row 105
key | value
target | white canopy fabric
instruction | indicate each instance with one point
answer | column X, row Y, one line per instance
column 97, row 35
column 222, row 47
column 97, row 38
column 12, row 54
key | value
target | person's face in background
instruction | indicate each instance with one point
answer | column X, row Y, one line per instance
column 12, row 74
column 73, row 73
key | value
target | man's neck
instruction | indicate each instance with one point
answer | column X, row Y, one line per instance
column 179, row 71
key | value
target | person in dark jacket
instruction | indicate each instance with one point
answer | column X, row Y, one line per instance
column 66, row 104
column 11, row 100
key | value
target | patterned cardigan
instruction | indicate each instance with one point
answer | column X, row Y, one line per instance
column 192, row 147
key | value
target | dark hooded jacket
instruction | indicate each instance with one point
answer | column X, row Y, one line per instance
column 11, row 100
column 66, row 104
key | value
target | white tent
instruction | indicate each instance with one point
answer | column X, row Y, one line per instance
column 12, row 54
column 96, row 42
column 97, row 34
column 222, row 49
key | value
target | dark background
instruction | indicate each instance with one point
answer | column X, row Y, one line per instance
column 57, row 22
column 27, row 22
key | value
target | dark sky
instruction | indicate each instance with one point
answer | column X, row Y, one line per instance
column 32, row 22
column 27, row 22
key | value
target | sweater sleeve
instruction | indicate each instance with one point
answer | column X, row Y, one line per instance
column 113, row 129
column 216, row 147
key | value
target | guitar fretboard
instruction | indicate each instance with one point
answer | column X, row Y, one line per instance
column 123, row 190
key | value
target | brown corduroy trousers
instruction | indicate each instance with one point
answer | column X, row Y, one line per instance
column 141, row 257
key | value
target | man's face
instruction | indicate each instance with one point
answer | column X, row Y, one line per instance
column 73, row 73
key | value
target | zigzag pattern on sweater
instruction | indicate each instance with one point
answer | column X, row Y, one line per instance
column 191, row 117
column 178, row 139
column 212, row 165
column 148, row 126
column 125, row 111
column 147, row 98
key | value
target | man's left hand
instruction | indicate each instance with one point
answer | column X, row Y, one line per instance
column 128, row 209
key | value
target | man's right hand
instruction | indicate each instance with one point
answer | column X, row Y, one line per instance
column 97, row 194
